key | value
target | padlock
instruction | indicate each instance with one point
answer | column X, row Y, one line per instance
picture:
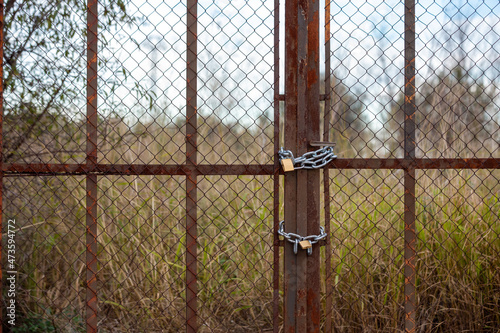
column 305, row 244
column 287, row 164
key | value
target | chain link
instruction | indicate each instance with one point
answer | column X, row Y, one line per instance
column 310, row 160
column 295, row 238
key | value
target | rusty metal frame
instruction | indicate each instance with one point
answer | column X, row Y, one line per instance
column 37, row 169
column 302, row 188
column 302, row 98
column 191, row 160
column 409, row 172
column 1, row 153
column 276, row 170
column 326, row 173
column 91, row 159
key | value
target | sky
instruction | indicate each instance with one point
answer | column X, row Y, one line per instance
column 235, row 44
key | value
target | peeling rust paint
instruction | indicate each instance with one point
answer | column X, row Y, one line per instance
column 304, row 7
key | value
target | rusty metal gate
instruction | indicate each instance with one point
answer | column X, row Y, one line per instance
column 142, row 189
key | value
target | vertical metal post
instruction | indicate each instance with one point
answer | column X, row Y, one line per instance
column 326, row 173
column 1, row 156
column 91, row 241
column 302, row 307
column 312, row 116
column 191, row 160
column 91, row 159
column 290, row 181
column 409, row 173
column 276, row 176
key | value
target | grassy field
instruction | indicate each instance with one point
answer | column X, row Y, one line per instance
column 141, row 236
column 458, row 247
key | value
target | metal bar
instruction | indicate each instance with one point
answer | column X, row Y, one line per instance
column 290, row 181
column 312, row 116
column 410, row 250
column 409, row 174
column 302, row 190
column 191, row 254
column 276, row 176
column 240, row 169
column 91, row 161
column 328, row 252
column 1, row 157
column 92, row 23
column 91, row 254
column 322, row 143
column 302, row 308
column 138, row 169
column 417, row 163
column 191, row 160
column 326, row 174
column 322, row 97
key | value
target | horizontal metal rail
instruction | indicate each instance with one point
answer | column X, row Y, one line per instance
column 243, row 169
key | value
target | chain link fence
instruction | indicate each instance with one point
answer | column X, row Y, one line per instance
column 450, row 283
column 140, row 164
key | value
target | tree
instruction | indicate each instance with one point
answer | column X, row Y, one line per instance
column 44, row 74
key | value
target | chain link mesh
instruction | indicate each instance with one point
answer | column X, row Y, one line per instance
column 43, row 82
column 176, row 234
column 142, row 238
column 457, row 79
column 50, row 255
column 456, row 249
column 367, row 62
column 235, row 270
column 142, row 253
column 458, row 237
column 366, row 277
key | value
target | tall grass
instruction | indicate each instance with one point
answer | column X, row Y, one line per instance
column 457, row 247
column 142, row 244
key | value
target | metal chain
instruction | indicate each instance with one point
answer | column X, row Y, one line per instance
column 310, row 160
column 295, row 239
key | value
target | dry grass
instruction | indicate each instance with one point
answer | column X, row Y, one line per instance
column 141, row 277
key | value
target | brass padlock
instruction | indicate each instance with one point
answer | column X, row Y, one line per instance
column 287, row 164
column 305, row 244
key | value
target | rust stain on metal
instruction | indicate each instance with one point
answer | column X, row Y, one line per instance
column 315, row 317
column 312, row 76
column 409, row 99
column 302, row 66
column 313, row 38
column 304, row 7
column 301, row 311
